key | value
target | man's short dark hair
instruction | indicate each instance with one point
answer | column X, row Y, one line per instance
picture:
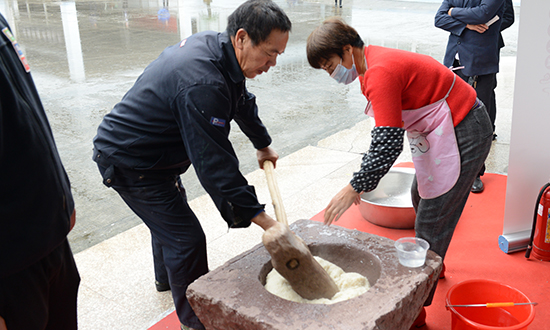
column 258, row 18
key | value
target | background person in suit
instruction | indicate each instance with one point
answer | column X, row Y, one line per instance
column 473, row 45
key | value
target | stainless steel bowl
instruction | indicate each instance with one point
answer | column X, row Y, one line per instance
column 390, row 204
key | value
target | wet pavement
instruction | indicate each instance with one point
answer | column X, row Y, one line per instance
column 85, row 55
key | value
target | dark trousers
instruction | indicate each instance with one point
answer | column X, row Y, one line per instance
column 485, row 88
column 161, row 275
column 436, row 218
column 42, row 296
column 159, row 199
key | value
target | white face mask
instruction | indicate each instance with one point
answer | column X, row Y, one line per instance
column 344, row 75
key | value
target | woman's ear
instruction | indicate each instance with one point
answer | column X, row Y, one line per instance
column 348, row 49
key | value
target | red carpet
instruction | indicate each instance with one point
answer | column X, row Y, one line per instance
column 473, row 254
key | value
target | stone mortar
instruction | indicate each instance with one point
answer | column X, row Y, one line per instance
column 233, row 296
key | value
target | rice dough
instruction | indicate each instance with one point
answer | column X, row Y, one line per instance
column 350, row 285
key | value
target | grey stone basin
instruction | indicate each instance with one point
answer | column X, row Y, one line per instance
column 233, row 297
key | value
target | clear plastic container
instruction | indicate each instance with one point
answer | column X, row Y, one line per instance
column 412, row 251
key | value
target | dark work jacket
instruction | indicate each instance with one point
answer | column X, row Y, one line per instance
column 179, row 112
column 478, row 52
column 35, row 198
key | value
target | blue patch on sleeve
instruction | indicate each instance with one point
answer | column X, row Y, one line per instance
column 217, row 121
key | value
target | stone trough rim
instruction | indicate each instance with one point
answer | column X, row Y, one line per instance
column 272, row 312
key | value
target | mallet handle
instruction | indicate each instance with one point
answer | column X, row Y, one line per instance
column 274, row 191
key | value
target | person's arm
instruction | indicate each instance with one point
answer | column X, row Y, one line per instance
column 509, row 16
column 340, row 203
column 2, row 324
column 384, row 90
column 203, row 115
column 481, row 14
column 250, row 123
column 446, row 22
column 267, row 153
column 385, row 147
column 264, row 221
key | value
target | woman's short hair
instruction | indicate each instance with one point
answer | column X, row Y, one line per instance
column 258, row 18
column 329, row 39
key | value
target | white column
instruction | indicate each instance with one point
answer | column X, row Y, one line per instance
column 529, row 162
column 186, row 14
column 72, row 41
column 10, row 13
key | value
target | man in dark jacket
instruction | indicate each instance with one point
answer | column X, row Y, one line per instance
column 38, row 276
column 474, row 27
column 178, row 113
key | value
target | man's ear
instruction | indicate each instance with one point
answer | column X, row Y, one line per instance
column 240, row 38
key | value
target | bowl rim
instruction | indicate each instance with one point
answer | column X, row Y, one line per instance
column 425, row 245
column 407, row 170
column 387, row 206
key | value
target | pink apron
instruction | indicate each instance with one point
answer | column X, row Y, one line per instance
column 434, row 149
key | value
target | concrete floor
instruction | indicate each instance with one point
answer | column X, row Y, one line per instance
column 318, row 126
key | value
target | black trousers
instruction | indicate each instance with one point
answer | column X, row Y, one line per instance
column 485, row 88
column 42, row 296
column 159, row 199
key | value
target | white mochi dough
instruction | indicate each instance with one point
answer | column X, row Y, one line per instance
column 350, row 285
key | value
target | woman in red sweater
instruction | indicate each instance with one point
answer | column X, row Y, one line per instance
column 448, row 128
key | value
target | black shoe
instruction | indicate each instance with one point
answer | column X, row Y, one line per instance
column 494, row 137
column 161, row 287
column 477, row 187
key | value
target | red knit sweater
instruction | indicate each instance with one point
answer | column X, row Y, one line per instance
column 399, row 80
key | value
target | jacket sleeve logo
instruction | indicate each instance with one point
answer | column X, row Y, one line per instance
column 217, row 121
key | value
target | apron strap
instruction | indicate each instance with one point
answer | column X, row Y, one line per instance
column 449, row 92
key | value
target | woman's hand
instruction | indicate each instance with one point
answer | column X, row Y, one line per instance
column 267, row 153
column 340, row 203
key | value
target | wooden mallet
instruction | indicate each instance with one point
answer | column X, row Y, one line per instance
column 290, row 256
